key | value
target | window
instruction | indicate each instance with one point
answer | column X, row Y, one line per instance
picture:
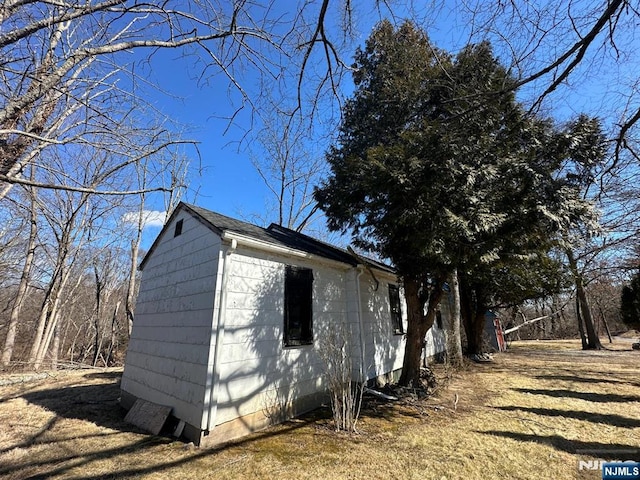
column 178, row 229
column 439, row 319
column 396, row 313
column 298, row 314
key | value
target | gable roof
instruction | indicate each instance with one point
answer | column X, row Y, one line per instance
column 274, row 235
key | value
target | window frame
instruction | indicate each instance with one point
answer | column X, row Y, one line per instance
column 177, row 231
column 298, row 302
column 395, row 310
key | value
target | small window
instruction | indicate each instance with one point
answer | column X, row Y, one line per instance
column 396, row 312
column 439, row 319
column 298, row 299
column 178, row 229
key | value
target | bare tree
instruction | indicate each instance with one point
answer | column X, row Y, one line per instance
column 583, row 307
column 107, row 266
column 69, row 229
column 175, row 175
column 290, row 165
column 23, row 285
column 66, row 65
column 83, row 54
column 69, row 222
column 346, row 393
column 61, row 60
column 568, row 55
column 605, row 252
column 133, row 264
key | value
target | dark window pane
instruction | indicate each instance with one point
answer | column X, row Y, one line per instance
column 178, row 229
column 298, row 312
column 396, row 312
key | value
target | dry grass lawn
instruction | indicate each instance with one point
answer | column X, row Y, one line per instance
column 534, row 412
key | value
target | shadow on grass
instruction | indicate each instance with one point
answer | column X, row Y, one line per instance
column 582, row 379
column 99, row 405
column 37, row 438
column 104, row 375
column 599, row 418
column 588, row 396
column 604, row 451
column 57, row 466
column 95, row 403
column 60, row 464
column 33, row 438
column 389, row 410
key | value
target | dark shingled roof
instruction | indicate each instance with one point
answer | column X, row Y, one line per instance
column 281, row 236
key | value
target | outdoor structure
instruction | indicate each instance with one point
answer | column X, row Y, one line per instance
column 233, row 322
column 494, row 333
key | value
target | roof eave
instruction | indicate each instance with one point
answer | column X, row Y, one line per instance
column 261, row 245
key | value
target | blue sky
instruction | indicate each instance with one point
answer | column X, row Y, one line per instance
column 223, row 178
column 228, row 182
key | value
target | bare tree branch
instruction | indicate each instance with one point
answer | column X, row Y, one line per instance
column 68, row 188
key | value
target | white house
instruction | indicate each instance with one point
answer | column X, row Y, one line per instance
column 231, row 320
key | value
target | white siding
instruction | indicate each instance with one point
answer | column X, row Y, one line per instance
column 384, row 351
column 256, row 370
column 168, row 355
column 172, row 360
column 436, row 340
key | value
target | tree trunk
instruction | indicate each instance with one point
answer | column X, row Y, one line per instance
column 63, row 339
column 555, row 319
column 417, row 326
column 133, row 268
column 52, row 325
column 55, row 349
column 96, row 320
column 51, row 301
column 454, row 340
column 593, row 342
column 114, row 332
column 53, row 315
column 473, row 311
column 524, row 319
column 7, row 351
column 583, row 338
column 466, row 308
column 476, row 333
column 42, row 322
column 606, row 327
column 603, row 318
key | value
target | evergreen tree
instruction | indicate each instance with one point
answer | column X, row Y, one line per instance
column 543, row 196
column 438, row 167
